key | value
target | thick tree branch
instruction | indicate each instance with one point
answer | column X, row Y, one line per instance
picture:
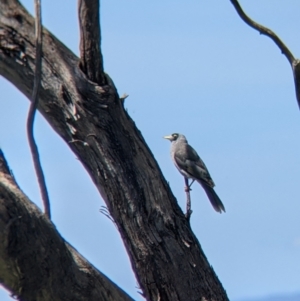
column 31, row 246
column 156, row 234
column 91, row 61
column 295, row 63
column 32, row 110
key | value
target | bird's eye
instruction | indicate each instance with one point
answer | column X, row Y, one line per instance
column 175, row 136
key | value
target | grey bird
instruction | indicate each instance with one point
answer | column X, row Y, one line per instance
column 191, row 166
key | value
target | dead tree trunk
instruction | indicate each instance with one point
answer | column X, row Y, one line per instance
column 165, row 254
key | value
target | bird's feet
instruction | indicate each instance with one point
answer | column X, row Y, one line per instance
column 187, row 188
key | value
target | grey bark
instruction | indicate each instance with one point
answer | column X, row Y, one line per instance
column 165, row 254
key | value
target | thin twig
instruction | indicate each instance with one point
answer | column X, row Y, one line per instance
column 105, row 212
column 265, row 31
column 188, row 199
column 32, row 110
column 123, row 97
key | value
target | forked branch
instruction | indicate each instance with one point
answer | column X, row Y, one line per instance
column 157, row 236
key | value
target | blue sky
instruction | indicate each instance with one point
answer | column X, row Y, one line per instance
column 196, row 68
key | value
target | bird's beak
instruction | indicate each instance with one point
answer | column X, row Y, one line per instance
column 169, row 137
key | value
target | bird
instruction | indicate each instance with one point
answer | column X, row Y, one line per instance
column 190, row 165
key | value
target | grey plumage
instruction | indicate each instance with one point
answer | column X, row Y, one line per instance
column 191, row 166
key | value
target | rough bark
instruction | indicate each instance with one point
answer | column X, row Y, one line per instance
column 35, row 262
column 165, row 255
column 91, row 62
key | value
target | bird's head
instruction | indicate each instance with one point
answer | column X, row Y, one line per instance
column 172, row 137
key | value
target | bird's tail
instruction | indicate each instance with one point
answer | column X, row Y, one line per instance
column 213, row 197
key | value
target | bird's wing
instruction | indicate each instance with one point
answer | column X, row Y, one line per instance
column 187, row 160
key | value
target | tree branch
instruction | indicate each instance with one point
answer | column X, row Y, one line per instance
column 295, row 63
column 264, row 30
column 32, row 110
column 34, row 258
column 296, row 73
column 91, row 62
column 155, row 232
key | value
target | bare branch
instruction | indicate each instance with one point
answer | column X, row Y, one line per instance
column 91, row 61
column 32, row 110
column 33, row 263
column 284, row 49
column 296, row 73
column 157, row 236
column 265, row 31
